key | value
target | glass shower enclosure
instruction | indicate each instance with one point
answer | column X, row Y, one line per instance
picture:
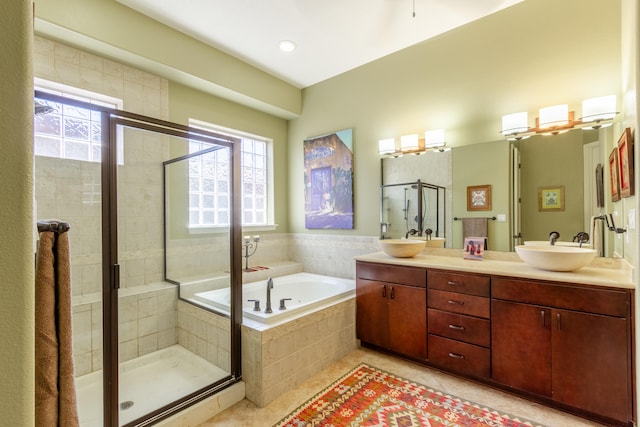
column 141, row 353
column 410, row 206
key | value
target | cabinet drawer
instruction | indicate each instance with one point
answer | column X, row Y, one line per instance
column 560, row 295
column 412, row 276
column 459, row 303
column 460, row 327
column 460, row 357
column 459, row 282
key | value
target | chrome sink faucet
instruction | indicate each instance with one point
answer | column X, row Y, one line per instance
column 269, row 287
column 553, row 236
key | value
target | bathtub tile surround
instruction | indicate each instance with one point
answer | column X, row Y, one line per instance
column 205, row 334
column 277, row 359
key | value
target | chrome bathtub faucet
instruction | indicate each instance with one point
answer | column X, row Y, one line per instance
column 269, row 287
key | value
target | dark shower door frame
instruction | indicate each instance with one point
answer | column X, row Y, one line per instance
column 110, row 120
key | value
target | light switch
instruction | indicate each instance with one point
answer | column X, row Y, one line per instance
column 632, row 219
column 502, row 218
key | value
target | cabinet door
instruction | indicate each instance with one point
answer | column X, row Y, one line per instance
column 408, row 321
column 591, row 366
column 371, row 312
column 521, row 346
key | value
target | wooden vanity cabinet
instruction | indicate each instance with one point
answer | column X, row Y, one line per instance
column 568, row 343
column 459, row 322
column 391, row 308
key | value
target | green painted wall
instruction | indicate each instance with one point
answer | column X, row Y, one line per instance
column 524, row 50
column 16, row 213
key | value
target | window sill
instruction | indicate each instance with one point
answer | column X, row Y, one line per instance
column 225, row 229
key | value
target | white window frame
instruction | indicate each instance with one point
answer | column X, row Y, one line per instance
column 269, row 209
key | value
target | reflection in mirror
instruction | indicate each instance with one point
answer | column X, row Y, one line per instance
column 569, row 160
column 431, row 172
column 412, row 209
column 569, row 163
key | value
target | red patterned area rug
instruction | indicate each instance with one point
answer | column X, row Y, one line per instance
column 367, row 396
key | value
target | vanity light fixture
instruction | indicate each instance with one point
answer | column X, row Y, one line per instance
column 409, row 143
column 413, row 144
column 515, row 126
column 434, row 138
column 387, row 146
column 597, row 112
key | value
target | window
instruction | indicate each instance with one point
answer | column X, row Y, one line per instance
column 209, row 182
column 70, row 132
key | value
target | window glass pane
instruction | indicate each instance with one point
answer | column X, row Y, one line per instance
column 208, row 218
column 194, row 217
column 47, row 124
column 215, row 179
column 76, row 150
column 223, row 217
column 76, row 112
column 207, row 201
column 194, row 184
column 46, row 146
column 74, row 125
column 78, row 129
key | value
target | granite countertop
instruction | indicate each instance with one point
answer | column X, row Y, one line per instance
column 602, row 271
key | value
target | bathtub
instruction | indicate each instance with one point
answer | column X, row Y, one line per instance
column 307, row 292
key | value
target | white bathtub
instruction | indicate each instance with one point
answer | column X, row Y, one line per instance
column 307, row 292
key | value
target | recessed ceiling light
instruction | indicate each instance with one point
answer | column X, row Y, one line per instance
column 287, row 46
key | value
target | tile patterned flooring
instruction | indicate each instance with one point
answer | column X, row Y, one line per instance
column 246, row 414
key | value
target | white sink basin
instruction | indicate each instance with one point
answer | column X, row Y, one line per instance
column 555, row 258
column 402, row 248
column 546, row 243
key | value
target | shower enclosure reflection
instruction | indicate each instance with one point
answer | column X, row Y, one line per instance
column 414, row 208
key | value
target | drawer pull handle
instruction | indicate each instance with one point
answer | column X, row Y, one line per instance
column 452, row 283
column 384, row 291
column 456, row 356
column 456, row 327
column 454, row 302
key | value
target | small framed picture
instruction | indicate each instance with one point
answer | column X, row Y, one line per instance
column 614, row 179
column 479, row 198
column 551, row 198
column 474, row 248
column 625, row 159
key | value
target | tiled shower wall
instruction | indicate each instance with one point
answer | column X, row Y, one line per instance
column 71, row 191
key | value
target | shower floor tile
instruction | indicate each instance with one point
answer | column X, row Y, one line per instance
column 148, row 382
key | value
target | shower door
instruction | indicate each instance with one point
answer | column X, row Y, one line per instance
column 169, row 352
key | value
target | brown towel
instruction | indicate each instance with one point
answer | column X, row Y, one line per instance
column 55, row 396
column 475, row 227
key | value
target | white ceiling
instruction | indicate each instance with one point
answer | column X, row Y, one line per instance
column 332, row 36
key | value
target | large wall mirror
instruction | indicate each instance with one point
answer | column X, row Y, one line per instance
column 561, row 165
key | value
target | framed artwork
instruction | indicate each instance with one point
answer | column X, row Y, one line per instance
column 625, row 160
column 614, row 179
column 551, row 198
column 479, row 198
column 328, row 180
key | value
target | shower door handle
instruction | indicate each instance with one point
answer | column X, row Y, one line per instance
column 116, row 276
